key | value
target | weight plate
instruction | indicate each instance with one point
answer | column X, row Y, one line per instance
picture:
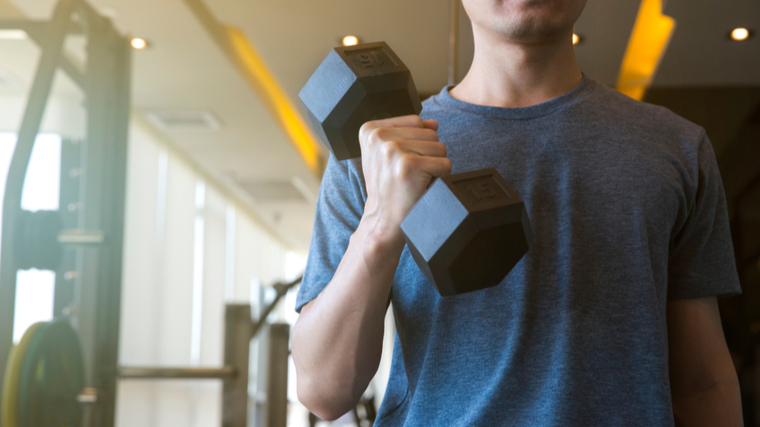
column 51, row 379
column 9, row 416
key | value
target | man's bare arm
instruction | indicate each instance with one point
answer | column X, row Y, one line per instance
column 337, row 341
column 703, row 382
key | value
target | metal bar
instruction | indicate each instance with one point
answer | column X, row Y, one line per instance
column 453, row 42
column 37, row 31
column 65, row 280
column 81, row 237
column 35, row 109
column 103, row 198
column 282, row 290
column 237, row 344
column 90, row 14
column 73, row 72
column 277, row 370
column 133, row 372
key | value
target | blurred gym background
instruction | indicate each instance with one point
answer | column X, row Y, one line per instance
column 167, row 137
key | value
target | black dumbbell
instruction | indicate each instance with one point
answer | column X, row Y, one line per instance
column 468, row 230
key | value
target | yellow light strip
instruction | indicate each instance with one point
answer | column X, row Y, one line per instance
column 278, row 101
column 235, row 44
column 646, row 47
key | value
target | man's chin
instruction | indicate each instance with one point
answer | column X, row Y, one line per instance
column 532, row 31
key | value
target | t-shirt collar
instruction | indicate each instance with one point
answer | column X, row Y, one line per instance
column 579, row 92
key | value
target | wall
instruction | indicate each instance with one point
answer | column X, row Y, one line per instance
column 189, row 249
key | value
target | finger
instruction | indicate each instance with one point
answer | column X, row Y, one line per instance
column 410, row 121
column 430, row 124
column 423, row 147
column 435, row 166
column 403, row 134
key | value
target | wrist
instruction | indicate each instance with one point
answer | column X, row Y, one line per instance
column 380, row 236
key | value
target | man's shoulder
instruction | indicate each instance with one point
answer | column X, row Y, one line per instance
column 627, row 113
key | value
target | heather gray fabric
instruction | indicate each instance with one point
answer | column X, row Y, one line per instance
column 628, row 210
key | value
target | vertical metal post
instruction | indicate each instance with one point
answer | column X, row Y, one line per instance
column 35, row 108
column 277, row 387
column 453, row 42
column 71, row 174
column 756, row 384
column 237, row 334
column 108, row 110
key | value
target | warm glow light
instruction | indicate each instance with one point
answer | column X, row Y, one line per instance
column 277, row 99
column 139, row 43
column 646, row 47
column 740, row 34
column 576, row 38
column 350, row 41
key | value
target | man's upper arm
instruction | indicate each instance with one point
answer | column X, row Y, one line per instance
column 339, row 209
column 701, row 257
column 703, row 382
column 698, row 352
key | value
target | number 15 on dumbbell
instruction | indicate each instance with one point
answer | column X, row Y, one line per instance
column 468, row 230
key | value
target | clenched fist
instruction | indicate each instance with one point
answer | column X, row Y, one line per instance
column 400, row 156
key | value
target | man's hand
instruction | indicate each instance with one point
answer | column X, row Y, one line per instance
column 399, row 158
column 703, row 382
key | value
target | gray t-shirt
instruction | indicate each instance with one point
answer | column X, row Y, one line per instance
column 628, row 210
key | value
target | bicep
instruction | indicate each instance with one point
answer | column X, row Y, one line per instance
column 698, row 354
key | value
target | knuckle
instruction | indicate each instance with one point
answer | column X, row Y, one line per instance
column 389, row 150
column 366, row 129
column 371, row 124
column 379, row 134
column 404, row 167
column 374, row 137
column 447, row 166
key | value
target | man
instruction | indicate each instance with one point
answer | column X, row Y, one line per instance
column 610, row 319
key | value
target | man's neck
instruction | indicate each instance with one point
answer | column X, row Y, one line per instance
column 507, row 74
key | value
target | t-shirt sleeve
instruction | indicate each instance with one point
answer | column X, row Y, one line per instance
column 701, row 262
column 340, row 206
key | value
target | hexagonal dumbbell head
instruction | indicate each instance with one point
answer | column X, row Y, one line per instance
column 352, row 86
column 468, row 231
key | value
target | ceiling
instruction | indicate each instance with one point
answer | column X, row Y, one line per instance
column 183, row 69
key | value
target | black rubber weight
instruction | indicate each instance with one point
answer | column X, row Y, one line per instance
column 468, row 230
column 352, row 86
column 51, row 378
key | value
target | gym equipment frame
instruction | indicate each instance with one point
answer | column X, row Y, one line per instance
column 105, row 81
column 90, row 224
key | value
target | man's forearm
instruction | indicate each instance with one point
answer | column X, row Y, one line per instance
column 337, row 341
column 718, row 405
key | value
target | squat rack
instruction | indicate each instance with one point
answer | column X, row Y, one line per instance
column 105, row 82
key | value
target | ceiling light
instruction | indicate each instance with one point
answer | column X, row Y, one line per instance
column 350, row 41
column 576, row 39
column 139, row 43
column 12, row 35
column 740, row 34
